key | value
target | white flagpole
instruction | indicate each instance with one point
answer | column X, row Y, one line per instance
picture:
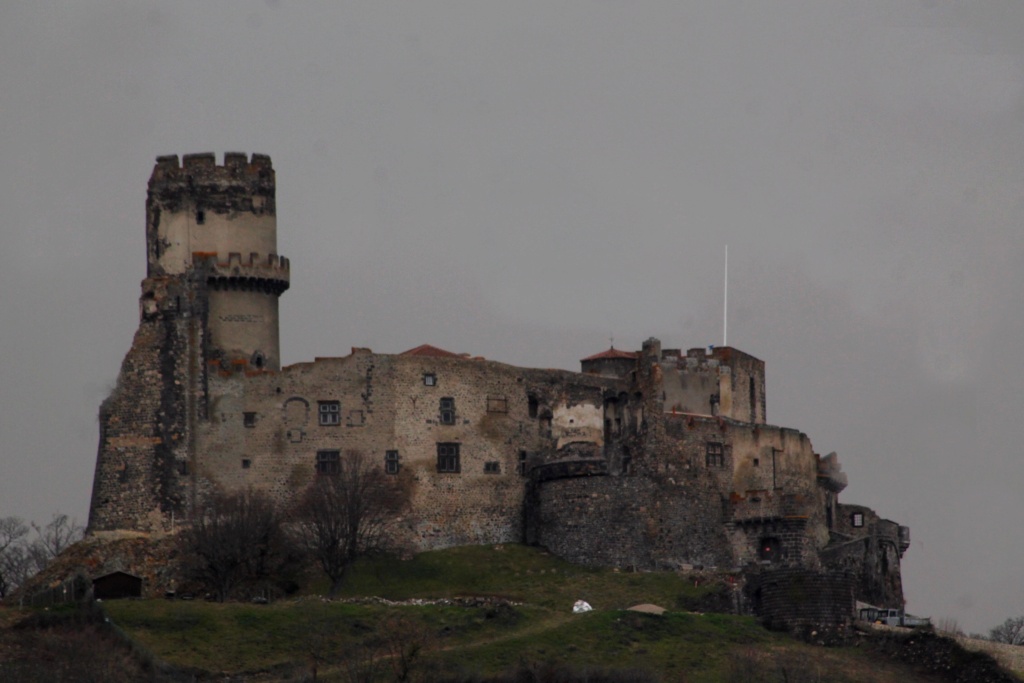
column 725, row 309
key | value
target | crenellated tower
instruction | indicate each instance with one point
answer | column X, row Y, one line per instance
column 209, row 303
column 217, row 225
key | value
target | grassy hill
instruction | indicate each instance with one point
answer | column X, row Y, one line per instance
column 475, row 613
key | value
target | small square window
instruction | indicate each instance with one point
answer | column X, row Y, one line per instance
column 249, row 419
column 447, row 410
column 328, row 462
column 497, row 404
column 857, row 519
column 246, row 463
column 448, row 458
column 391, row 462
column 715, row 454
column 757, row 462
column 330, row 413
column 429, row 379
column 492, row 468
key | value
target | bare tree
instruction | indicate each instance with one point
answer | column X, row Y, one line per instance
column 13, row 557
column 239, row 538
column 349, row 513
column 1010, row 631
column 51, row 540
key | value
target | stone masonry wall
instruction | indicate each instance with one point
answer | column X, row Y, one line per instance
column 146, row 423
column 630, row 521
column 798, row 599
column 870, row 552
column 387, row 403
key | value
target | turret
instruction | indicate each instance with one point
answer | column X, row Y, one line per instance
column 217, row 226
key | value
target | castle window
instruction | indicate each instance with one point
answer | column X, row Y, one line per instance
column 497, row 404
column 857, row 519
column 448, row 410
column 769, row 550
column 429, row 379
column 715, row 454
column 330, row 413
column 757, row 462
column 492, row 468
column 448, row 458
column 328, row 462
column 200, row 216
column 182, row 467
column 246, row 463
column 391, row 462
column 532, row 405
column 249, row 419
column 522, row 462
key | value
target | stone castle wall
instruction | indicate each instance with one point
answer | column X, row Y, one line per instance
column 147, row 423
column 799, row 600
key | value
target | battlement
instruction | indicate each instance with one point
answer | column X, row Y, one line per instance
column 235, row 260
column 269, row 274
column 197, row 183
column 206, row 163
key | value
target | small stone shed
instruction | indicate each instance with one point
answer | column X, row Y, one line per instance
column 117, row 585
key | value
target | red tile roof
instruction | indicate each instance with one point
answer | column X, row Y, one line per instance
column 612, row 353
column 428, row 350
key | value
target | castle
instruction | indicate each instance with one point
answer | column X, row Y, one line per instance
column 656, row 458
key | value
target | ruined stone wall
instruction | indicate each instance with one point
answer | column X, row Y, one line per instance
column 146, row 424
column 871, row 552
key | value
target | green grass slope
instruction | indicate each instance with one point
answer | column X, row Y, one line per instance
column 475, row 612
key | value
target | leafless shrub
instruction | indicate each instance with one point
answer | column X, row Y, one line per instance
column 1010, row 631
column 59, row 533
column 347, row 514
column 21, row 557
column 948, row 626
column 238, row 539
column 14, row 561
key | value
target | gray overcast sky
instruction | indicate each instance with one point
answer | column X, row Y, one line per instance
column 523, row 180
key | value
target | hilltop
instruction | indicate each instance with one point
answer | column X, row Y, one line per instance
column 474, row 613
